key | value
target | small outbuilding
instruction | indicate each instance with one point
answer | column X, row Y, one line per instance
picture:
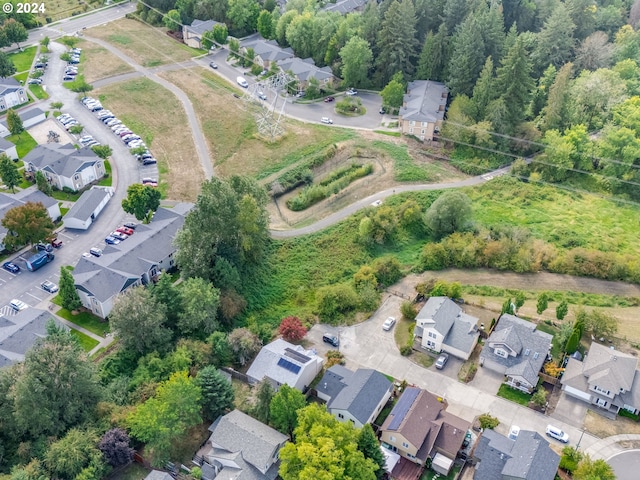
column 87, row 208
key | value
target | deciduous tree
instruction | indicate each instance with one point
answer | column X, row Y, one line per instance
column 7, row 68
column 356, row 58
column 542, row 302
column 14, row 31
column 9, row 172
column 392, row 95
column 69, row 297
column 220, row 33
column 27, row 224
column 103, row 151
column 244, row 344
column 284, row 407
column 264, row 396
column 200, row 301
column 74, row 454
column 292, row 329
column 115, row 446
column 589, row 469
column 369, row 446
column 217, row 392
column 172, row 20
column 14, row 122
column 243, row 16
column 449, row 213
column 141, row 200
column 562, row 309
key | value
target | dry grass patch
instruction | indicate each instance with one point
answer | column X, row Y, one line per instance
column 158, row 117
column 147, row 45
column 231, row 131
column 603, row 427
column 98, row 62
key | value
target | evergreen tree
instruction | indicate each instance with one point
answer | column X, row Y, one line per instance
column 555, row 41
column 368, row 445
column 217, row 392
column 515, row 83
column 429, row 14
column 397, row 42
column 556, row 113
column 454, row 12
column 562, row 309
column 262, row 408
column 485, row 90
column 434, row 56
column 542, row 303
column 9, row 172
column 467, row 57
column 493, row 33
column 573, row 342
column 540, row 94
column 69, row 297
column 43, row 184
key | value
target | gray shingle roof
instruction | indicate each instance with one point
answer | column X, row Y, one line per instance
column 5, row 144
column 459, row 329
column 269, row 49
column 63, row 160
column 345, row 6
column 237, row 432
column 199, row 27
column 87, row 203
column 334, row 380
column 424, row 101
column 158, row 475
column 527, row 457
column 305, row 69
column 31, row 194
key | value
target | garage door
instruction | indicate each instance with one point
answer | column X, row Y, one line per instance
column 574, row 392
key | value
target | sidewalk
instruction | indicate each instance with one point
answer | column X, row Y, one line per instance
column 608, row 447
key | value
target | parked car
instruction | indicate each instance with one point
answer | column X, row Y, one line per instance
column 213, row 65
column 111, row 241
column 131, row 225
column 17, row 305
column 125, row 230
column 388, row 324
column 120, row 236
column 68, row 78
column 329, row 99
column 96, row 252
column 331, row 339
column 326, row 120
column 149, row 161
column 442, row 361
column 557, row 433
column 55, row 243
column 351, row 92
column 48, row 286
column 301, row 94
column 262, row 96
column 35, row 81
column 11, row 267
column 44, row 247
column 149, row 182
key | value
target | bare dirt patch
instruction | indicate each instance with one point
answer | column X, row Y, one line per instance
column 41, row 131
column 603, row 427
column 158, row 117
column 98, row 62
column 148, row 46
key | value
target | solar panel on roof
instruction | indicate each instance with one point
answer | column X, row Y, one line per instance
column 290, row 352
column 402, row 407
column 287, row 365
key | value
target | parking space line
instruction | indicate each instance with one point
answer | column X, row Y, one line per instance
column 65, row 235
column 32, row 295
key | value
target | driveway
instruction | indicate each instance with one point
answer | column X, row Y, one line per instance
column 570, row 409
column 487, row 380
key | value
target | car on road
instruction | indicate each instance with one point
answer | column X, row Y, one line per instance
column 351, row 92
column 111, row 241
column 442, row 361
column 331, row 339
column 377, row 203
column 262, row 96
column 326, row 120
column 329, row 99
column 35, row 81
column 17, row 305
column 388, row 324
column 11, row 267
column 48, row 286
column 213, row 65
column 557, row 433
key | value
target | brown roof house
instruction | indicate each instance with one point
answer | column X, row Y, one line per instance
column 606, row 378
column 419, row 428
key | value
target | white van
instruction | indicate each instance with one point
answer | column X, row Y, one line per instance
column 242, row 82
column 96, row 252
column 555, row 432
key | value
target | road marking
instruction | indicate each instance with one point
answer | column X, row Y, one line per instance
column 65, row 235
column 32, row 295
column 7, row 311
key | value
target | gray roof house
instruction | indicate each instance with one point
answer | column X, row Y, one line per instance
column 8, row 148
column 345, row 6
column 518, row 350
column 267, row 51
column 282, row 362
column 31, row 194
column 64, row 166
column 442, row 326
column 19, row 332
column 12, row 93
column 607, row 378
column 192, row 34
column 354, row 396
column 87, row 208
column 242, row 448
column 30, row 116
column 136, row 261
column 423, row 109
column 528, row 457
column 305, row 70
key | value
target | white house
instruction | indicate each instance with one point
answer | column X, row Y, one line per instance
column 30, row 116
column 87, row 208
column 12, row 94
column 282, row 362
column 442, row 326
column 8, row 148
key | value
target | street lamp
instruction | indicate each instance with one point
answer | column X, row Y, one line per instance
column 578, row 444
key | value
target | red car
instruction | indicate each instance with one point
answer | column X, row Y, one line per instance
column 125, row 230
column 56, row 243
column 329, row 99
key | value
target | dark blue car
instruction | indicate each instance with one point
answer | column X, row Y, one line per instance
column 111, row 241
column 11, row 267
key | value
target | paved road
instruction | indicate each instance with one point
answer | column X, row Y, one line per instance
column 626, row 465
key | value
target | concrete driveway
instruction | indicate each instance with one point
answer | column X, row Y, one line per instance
column 487, row 380
column 570, row 409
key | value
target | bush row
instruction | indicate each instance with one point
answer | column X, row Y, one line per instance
column 302, row 174
column 315, row 193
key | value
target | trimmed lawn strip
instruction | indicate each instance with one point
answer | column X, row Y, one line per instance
column 85, row 320
column 85, row 341
column 24, row 59
column 39, row 92
column 24, row 143
column 64, row 196
column 108, row 180
column 514, row 395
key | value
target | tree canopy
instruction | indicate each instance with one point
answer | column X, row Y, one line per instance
column 141, row 200
column 284, row 407
column 9, row 172
column 449, row 213
column 27, row 224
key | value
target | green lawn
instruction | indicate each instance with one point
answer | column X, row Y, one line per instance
column 86, row 320
column 70, row 197
column 514, row 395
column 86, row 342
column 135, row 471
column 24, row 143
column 108, row 180
column 21, row 77
column 39, row 92
column 23, row 60
column 432, row 475
column 63, row 211
column 406, row 170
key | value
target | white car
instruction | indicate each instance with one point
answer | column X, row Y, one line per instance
column 17, row 305
column 388, row 324
column 558, row 434
column 326, row 120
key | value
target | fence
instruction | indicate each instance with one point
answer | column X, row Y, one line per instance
column 235, row 374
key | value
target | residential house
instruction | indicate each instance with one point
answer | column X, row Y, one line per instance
column 242, row 448
column 354, row 396
column 518, row 350
column 192, row 34
column 267, row 52
column 31, row 194
column 442, row 326
column 606, row 378
column 282, row 362
column 19, row 332
column 12, row 94
column 419, row 428
column 527, row 457
column 305, row 70
column 30, row 116
column 423, row 108
column 87, row 208
column 64, row 166
column 346, row 6
column 136, row 261
column 9, row 149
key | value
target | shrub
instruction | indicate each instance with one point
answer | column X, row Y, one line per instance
column 292, row 329
column 570, row 459
column 487, row 421
column 334, row 357
column 408, row 311
column 540, row 397
column 336, row 300
column 406, row 350
column 387, row 270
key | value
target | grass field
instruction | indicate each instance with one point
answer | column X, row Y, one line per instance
column 86, row 320
column 24, row 143
column 98, row 62
column 23, row 60
column 159, row 118
column 146, row 45
column 86, row 342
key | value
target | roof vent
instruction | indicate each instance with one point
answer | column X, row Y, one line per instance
column 614, row 358
column 535, row 355
column 527, row 351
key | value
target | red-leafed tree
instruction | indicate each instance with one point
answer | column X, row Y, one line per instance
column 292, row 329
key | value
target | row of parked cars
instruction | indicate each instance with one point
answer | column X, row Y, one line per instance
column 71, row 70
column 38, row 70
column 129, row 138
column 120, row 234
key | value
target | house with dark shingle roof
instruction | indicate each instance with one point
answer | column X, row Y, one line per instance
column 442, row 326
column 423, row 108
column 306, row 69
column 354, row 396
column 419, row 428
column 267, row 51
column 19, row 332
column 192, row 34
column 518, row 350
column 8, row 148
column 30, row 116
column 12, row 94
column 31, row 194
column 606, row 378
column 87, row 208
column 282, row 362
column 135, row 261
column 345, row 6
column 64, row 166
column 527, row 457
column 242, row 448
